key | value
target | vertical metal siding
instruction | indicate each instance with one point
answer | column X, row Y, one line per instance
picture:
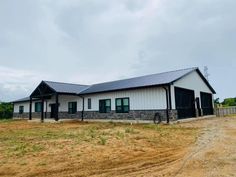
column 64, row 100
column 140, row 99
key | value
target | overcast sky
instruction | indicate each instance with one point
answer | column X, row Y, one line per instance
column 91, row 41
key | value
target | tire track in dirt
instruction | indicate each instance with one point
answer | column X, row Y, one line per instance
column 156, row 163
column 213, row 133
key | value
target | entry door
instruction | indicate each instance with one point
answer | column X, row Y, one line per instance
column 53, row 110
column 207, row 104
column 185, row 103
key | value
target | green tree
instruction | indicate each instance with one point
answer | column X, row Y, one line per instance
column 229, row 102
column 217, row 101
column 6, row 110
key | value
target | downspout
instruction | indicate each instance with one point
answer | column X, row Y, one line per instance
column 46, row 108
column 170, row 99
column 30, row 109
column 167, row 105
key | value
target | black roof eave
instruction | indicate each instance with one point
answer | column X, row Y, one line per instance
column 43, row 82
column 23, row 101
column 66, row 93
column 20, row 101
column 207, row 83
column 201, row 75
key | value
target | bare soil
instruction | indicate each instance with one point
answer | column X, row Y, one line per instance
column 200, row 148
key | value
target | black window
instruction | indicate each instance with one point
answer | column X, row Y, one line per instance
column 122, row 105
column 72, row 107
column 38, row 106
column 21, row 109
column 104, row 106
column 89, row 104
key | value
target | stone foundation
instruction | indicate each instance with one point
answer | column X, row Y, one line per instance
column 147, row 115
column 21, row 116
column 173, row 114
column 66, row 115
column 61, row 115
column 132, row 115
column 26, row 115
column 199, row 113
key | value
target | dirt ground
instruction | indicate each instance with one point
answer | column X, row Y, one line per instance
column 197, row 149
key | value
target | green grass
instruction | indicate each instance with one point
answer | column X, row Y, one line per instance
column 2, row 120
column 120, row 135
column 102, row 140
column 129, row 130
column 21, row 148
column 35, row 138
column 152, row 127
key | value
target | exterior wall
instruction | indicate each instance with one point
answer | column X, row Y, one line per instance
column 145, row 115
column 140, row 99
column 26, row 115
column 132, row 115
column 144, row 103
column 63, row 101
column 192, row 82
column 26, row 106
column 66, row 115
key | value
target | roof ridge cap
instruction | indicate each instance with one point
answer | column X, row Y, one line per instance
column 145, row 76
column 66, row 83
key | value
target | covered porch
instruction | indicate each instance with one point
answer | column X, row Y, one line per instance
column 43, row 93
column 47, row 94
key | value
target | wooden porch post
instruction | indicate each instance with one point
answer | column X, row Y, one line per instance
column 46, row 109
column 57, row 108
column 42, row 110
column 30, row 109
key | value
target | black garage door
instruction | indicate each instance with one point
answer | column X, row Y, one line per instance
column 206, row 102
column 185, row 103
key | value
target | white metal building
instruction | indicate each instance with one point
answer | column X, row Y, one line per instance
column 173, row 95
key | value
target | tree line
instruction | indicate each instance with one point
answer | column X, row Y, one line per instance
column 227, row 102
column 6, row 110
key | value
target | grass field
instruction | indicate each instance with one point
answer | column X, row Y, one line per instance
column 87, row 149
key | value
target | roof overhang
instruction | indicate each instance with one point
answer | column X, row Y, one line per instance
column 202, row 77
column 42, row 90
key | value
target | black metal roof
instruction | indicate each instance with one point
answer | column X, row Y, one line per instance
column 66, row 87
column 137, row 82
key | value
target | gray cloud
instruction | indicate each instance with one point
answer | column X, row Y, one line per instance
column 93, row 41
